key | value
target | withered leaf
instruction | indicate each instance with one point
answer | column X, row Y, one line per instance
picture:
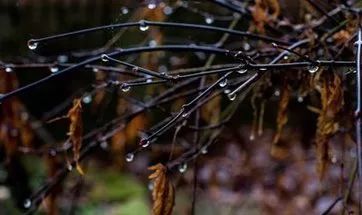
column 76, row 130
column 332, row 101
column 282, row 119
column 260, row 13
column 163, row 193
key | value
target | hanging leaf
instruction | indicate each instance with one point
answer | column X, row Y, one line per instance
column 76, row 131
column 263, row 12
column 282, row 118
column 163, row 193
column 332, row 102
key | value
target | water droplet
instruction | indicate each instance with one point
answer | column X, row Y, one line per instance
column 62, row 58
column 144, row 142
column 27, row 203
column 104, row 145
column 104, row 58
column 125, row 87
column 129, row 157
column 87, row 98
column 167, row 10
column 151, row 185
column 70, row 167
column 246, row 46
column 186, row 114
column 152, row 43
column 204, row 150
column 277, row 93
column 223, row 83
column 209, row 20
column 300, row 99
column 151, row 6
column 263, row 69
column 124, row 10
column 8, row 69
column 54, row 69
column 52, row 152
column 148, row 80
column 313, row 69
column 95, row 70
column 252, row 137
column 182, row 167
column 242, row 71
column 232, row 96
column 32, row 45
column 334, row 159
column 286, row 57
column 143, row 25
column 135, row 69
column 227, row 91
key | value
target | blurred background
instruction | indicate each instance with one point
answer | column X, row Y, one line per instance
column 237, row 174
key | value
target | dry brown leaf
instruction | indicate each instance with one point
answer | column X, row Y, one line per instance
column 263, row 12
column 163, row 193
column 282, row 119
column 76, row 130
column 134, row 126
column 210, row 112
column 332, row 102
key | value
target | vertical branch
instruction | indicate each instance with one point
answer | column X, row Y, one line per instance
column 358, row 116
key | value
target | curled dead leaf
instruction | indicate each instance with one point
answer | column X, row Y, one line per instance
column 282, row 119
column 76, row 131
column 332, row 100
column 163, row 193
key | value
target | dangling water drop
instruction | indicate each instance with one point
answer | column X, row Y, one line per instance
column 143, row 25
column 124, row 10
column 104, row 58
column 242, row 71
column 232, row 96
column 8, row 69
column 277, row 93
column 223, row 83
column 144, row 142
column 209, row 20
column 148, row 80
column 32, row 45
column 300, row 99
column 313, row 69
column 252, row 137
column 104, row 145
column 152, row 5
column 70, row 167
column 262, row 69
column 129, row 157
column 204, row 150
column 150, row 186
column 54, row 69
column 182, row 167
column 87, row 99
column 27, row 203
column 184, row 115
column 227, row 91
column 152, row 43
column 167, row 10
column 63, row 58
column 125, row 87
